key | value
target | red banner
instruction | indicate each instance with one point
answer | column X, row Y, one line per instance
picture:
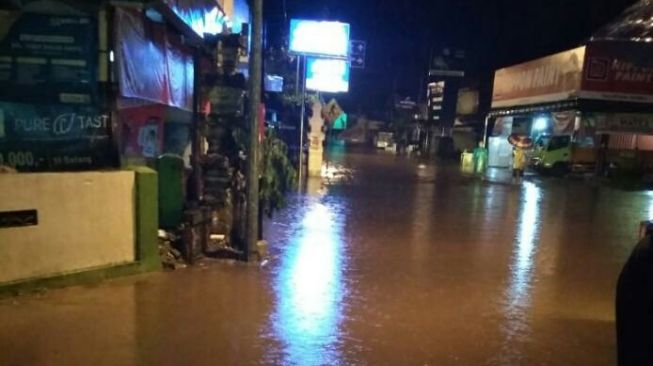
column 621, row 71
column 152, row 63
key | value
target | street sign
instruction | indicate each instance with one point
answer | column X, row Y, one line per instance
column 358, row 63
column 357, row 50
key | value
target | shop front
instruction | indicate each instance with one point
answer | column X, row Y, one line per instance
column 586, row 109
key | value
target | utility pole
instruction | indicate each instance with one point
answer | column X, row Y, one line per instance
column 302, row 115
column 255, row 70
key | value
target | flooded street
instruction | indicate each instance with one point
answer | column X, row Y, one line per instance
column 385, row 262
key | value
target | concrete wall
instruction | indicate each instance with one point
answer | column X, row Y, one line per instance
column 85, row 221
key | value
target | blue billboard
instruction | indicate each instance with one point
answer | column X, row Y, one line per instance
column 319, row 38
column 327, row 75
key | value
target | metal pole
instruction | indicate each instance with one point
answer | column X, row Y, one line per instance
column 301, row 123
column 487, row 122
column 255, row 71
column 297, row 77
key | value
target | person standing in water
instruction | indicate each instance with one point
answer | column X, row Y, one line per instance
column 518, row 163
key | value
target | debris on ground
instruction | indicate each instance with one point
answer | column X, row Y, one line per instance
column 171, row 258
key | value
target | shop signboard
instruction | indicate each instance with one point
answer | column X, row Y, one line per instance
column 48, row 58
column 55, row 137
column 406, row 103
column 327, row 75
column 548, row 79
column 619, row 71
column 273, row 83
column 631, row 123
column 323, row 38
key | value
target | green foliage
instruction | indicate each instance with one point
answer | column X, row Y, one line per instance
column 278, row 175
column 279, row 61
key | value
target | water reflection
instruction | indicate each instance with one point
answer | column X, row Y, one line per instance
column 518, row 294
column 649, row 212
column 310, row 290
column 527, row 235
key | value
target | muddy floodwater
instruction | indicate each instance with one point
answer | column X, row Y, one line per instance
column 383, row 262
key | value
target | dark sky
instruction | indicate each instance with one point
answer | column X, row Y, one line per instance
column 493, row 33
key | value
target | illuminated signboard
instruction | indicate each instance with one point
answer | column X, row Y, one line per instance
column 327, row 75
column 319, row 38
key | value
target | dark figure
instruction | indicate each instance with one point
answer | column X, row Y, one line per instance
column 635, row 307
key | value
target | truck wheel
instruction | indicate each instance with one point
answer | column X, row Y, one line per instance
column 559, row 169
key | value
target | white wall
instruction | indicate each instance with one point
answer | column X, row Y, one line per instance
column 500, row 152
column 85, row 220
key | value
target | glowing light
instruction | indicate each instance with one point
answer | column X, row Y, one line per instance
column 649, row 212
column 328, row 171
column 213, row 21
column 518, row 295
column 540, row 124
column 319, row 37
column 210, row 22
column 327, row 75
column 526, row 240
column 111, row 56
column 310, row 288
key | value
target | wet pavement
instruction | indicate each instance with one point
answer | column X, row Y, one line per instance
column 386, row 262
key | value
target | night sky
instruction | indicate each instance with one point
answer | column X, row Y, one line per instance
column 494, row 33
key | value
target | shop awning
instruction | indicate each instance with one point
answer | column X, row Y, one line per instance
column 584, row 105
column 537, row 108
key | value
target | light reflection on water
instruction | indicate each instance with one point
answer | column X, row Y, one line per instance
column 310, row 290
column 518, row 295
column 649, row 212
column 528, row 231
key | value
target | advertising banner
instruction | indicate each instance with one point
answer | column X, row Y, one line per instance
column 564, row 123
column 548, row 79
column 152, row 63
column 48, row 58
column 502, row 127
column 55, row 137
column 619, row 71
column 142, row 130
